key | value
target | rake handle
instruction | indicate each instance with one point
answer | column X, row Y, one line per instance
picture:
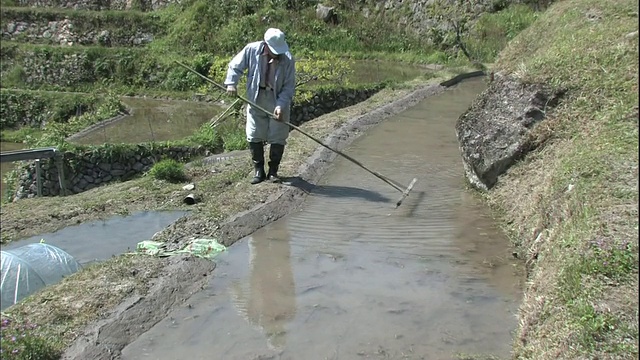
column 374, row 173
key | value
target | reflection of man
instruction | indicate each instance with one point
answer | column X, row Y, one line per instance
column 271, row 294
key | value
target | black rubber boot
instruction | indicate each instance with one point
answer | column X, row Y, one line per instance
column 257, row 156
column 275, row 156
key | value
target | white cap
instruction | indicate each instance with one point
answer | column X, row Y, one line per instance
column 276, row 42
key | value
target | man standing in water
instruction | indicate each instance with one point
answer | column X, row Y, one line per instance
column 271, row 79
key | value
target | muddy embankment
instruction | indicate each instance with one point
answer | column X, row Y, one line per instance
column 500, row 127
column 184, row 276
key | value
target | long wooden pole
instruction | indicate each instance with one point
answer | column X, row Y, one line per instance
column 395, row 185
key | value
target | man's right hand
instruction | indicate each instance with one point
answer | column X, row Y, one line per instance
column 231, row 90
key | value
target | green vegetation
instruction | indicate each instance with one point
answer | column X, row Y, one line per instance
column 223, row 27
column 20, row 342
column 491, row 33
column 196, row 32
column 117, row 23
column 583, row 196
column 55, row 133
column 169, row 170
column 30, row 108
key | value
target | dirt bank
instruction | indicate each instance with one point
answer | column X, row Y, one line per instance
column 571, row 205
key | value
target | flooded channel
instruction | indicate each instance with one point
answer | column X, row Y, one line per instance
column 153, row 120
column 101, row 239
column 349, row 277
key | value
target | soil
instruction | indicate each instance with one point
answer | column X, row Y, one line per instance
column 106, row 338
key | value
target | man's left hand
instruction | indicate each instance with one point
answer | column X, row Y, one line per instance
column 277, row 112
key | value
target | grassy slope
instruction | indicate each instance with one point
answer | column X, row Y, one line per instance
column 573, row 205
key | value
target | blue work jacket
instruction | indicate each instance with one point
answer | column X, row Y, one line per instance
column 248, row 59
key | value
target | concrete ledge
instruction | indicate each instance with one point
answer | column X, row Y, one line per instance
column 458, row 78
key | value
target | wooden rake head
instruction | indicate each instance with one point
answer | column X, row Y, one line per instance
column 405, row 193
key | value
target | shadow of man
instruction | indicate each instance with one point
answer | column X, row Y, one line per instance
column 269, row 302
column 335, row 191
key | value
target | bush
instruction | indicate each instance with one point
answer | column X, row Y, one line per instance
column 169, row 170
column 224, row 27
column 56, row 132
column 206, row 136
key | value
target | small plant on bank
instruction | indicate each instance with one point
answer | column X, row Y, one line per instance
column 20, row 342
column 169, row 170
column 206, row 136
column 233, row 134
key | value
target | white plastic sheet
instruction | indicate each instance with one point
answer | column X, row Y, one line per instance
column 30, row 268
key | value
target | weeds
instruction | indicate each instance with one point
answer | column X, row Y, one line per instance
column 492, row 32
column 169, row 170
column 20, row 342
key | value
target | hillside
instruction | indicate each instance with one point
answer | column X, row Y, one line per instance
column 571, row 204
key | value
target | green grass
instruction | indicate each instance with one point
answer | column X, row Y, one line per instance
column 582, row 185
column 223, row 27
column 169, row 170
column 21, row 134
column 34, row 108
column 491, row 33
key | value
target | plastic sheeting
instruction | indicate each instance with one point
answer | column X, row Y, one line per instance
column 30, row 268
column 204, row 248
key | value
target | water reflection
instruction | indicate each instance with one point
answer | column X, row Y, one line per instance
column 269, row 302
column 153, row 120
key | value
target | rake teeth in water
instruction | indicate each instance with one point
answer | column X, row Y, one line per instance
column 406, row 192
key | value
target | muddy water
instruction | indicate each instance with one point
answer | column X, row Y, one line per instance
column 348, row 277
column 153, row 120
column 162, row 120
column 99, row 240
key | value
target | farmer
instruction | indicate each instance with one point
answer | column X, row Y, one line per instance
column 271, row 80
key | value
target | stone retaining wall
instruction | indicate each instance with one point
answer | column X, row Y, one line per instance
column 329, row 101
column 495, row 132
column 87, row 171
column 419, row 17
column 94, row 168
column 65, row 32
column 144, row 5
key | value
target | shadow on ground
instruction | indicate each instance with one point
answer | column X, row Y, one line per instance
column 334, row 191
